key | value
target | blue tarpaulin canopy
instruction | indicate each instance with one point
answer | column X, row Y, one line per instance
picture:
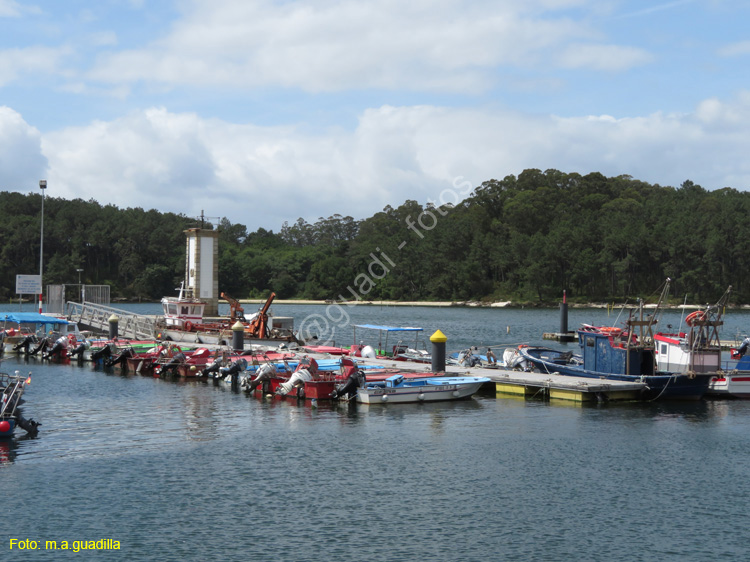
column 30, row 318
column 387, row 329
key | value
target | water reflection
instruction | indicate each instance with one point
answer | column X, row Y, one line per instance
column 7, row 451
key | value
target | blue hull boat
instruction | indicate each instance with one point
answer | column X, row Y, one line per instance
column 622, row 354
column 659, row 385
column 397, row 389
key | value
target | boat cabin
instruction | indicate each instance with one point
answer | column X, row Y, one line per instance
column 605, row 353
column 182, row 312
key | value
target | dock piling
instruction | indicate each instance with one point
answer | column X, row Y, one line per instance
column 438, row 340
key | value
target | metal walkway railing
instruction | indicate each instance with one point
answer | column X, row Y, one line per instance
column 96, row 316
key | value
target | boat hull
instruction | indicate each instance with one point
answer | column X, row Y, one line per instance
column 733, row 385
column 7, row 426
column 220, row 338
column 427, row 391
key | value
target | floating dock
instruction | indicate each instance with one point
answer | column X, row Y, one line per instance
column 563, row 387
column 531, row 385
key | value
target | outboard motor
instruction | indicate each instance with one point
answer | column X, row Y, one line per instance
column 514, row 360
column 234, row 369
column 28, row 425
column 742, row 349
column 78, row 351
column 25, row 344
column 177, row 359
column 58, row 349
column 120, row 357
column 264, row 374
column 468, row 359
column 41, row 347
column 349, row 388
column 213, row 367
column 307, row 370
column 103, row 353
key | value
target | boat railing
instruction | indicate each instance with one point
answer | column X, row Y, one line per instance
column 97, row 316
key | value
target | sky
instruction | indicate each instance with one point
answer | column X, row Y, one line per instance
column 266, row 111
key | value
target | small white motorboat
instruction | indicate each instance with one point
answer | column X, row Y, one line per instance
column 397, row 389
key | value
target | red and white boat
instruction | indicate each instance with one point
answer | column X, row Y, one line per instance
column 698, row 351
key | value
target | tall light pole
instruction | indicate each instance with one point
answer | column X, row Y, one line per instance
column 42, row 186
column 80, row 287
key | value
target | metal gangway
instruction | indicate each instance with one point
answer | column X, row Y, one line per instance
column 96, row 317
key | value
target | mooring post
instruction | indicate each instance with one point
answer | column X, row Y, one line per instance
column 564, row 315
column 438, row 340
column 113, row 322
column 238, row 336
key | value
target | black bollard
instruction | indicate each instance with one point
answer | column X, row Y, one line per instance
column 438, row 340
column 564, row 315
column 238, row 336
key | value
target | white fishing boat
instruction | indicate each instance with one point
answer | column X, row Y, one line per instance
column 183, row 322
column 697, row 351
column 397, row 389
column 183, row 311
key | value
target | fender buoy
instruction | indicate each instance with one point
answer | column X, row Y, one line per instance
column 694, row 317
column 188, row 326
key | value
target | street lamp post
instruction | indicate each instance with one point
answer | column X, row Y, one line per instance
column 80, row 287
column 42, row 186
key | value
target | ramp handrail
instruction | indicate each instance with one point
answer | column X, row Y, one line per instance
column 130, row 325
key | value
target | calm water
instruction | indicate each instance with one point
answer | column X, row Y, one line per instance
column 193, row 471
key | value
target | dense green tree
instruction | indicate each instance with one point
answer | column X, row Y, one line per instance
column 518, row 238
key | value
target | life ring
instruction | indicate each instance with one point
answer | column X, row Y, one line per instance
column 694, row 317
column 188, row 326
column 610, row 330
column 72, row 341
column 523, row 345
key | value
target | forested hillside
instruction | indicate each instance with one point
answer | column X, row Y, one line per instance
column 522, row 238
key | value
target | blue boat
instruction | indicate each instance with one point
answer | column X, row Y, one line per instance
column 627, row 354
column 397, row 389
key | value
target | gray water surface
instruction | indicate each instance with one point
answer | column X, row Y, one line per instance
column 193, row 471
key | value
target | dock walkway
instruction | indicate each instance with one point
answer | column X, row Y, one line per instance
column 519, row 383
column 96, row 317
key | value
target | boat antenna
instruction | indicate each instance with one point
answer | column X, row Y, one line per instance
column 653, row 319
column 620, row 313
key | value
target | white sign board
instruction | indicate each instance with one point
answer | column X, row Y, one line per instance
column 28, row 284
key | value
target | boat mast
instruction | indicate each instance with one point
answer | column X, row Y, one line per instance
column 645, row 328
column 704, row 331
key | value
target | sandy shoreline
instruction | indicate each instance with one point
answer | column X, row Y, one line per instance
column 470, row 304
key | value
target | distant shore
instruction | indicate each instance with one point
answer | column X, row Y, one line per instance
column 474, row 304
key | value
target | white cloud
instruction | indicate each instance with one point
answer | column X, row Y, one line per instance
column 263, row 176
column 446, row 45
column 9, row 9
column 603, row 57
column 21, row 161
column 739, row 48
column 16, row 63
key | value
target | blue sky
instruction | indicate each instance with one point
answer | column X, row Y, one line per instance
column 266, row 111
